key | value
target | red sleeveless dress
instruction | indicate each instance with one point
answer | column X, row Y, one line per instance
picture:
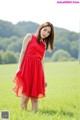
column 30, row 79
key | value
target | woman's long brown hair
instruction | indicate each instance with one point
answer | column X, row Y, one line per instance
column 50, row 39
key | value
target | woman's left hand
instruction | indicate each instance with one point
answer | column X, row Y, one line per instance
column 45, row 84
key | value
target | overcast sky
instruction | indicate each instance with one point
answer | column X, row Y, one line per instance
column 66, row 15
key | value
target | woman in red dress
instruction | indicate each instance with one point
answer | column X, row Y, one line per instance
column 30, row 78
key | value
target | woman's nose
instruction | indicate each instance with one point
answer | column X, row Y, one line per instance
column 46, row 33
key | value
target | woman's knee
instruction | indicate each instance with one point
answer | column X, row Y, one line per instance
column 35, row 100
column 25, row 98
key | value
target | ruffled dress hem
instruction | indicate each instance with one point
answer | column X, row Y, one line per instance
column 18, row 89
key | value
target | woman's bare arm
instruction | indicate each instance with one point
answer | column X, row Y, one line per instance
column 24, row 46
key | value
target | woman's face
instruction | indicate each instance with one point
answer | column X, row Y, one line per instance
column 45, row 32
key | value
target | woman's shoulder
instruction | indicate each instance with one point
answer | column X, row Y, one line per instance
column 28, row 36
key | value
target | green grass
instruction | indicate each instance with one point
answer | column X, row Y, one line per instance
column 62, row 101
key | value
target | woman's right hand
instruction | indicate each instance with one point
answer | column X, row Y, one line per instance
column 45, row 84
column 17, row 70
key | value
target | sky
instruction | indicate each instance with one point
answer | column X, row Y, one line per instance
column 64, row 15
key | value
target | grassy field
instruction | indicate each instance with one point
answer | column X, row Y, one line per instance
column 62, row 101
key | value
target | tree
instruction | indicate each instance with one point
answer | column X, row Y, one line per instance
column 9, row 57
column 15, row 47
column 62, row 43
column 1, row 53
column 74, row 49
column 60, row 55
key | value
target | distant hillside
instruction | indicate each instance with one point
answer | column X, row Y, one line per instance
column 7, row 29
column 65, row 42
column 27, row 27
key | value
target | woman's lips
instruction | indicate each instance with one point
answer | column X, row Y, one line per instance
column 43, row 36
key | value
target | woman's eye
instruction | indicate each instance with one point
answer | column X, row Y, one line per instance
column 44, row 29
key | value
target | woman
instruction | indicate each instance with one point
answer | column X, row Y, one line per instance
column 29, row 78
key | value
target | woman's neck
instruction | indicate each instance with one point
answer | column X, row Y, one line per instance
column 41, row 40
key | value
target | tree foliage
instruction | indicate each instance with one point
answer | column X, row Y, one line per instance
column 11, row 37
column 60, row 55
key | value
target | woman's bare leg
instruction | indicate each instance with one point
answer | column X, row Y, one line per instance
column 34, row 102
column 24, row 102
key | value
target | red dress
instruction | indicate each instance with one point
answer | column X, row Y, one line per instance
column 30, row 79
